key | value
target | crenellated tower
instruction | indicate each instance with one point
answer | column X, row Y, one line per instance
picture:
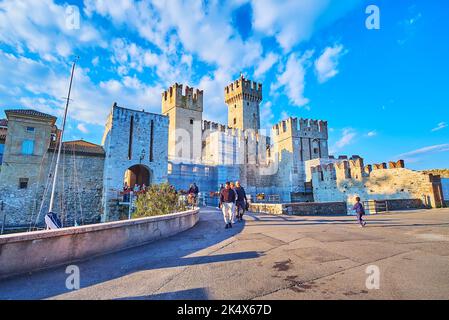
column 185, row 112
column 243, row 98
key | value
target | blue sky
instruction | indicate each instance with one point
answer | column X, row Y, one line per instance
column 384, row 92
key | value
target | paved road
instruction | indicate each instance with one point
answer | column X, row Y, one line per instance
column 267, row 257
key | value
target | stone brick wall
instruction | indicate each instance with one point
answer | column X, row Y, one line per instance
column 404, row 204
column 301, row 209
column 78, row 193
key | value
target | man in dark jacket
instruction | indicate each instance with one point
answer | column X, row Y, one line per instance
column 227, row 200
column 241, row 200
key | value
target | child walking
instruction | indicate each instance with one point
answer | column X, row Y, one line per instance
column 358, row 207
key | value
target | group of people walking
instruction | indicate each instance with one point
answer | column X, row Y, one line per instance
column 233, row 203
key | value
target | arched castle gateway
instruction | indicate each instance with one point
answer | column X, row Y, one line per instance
column 181, row 147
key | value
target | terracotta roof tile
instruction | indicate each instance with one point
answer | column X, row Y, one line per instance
column 30, row 112
column 80, row 147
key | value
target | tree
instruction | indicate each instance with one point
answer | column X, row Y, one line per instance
column 158, row 199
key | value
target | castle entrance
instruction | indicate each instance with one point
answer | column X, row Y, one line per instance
column 137, row 174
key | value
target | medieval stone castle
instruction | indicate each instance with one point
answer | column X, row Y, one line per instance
column 292, row 164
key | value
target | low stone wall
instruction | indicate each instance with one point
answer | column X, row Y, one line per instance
column 301, row 208
column 25, row 252
column 405, row 204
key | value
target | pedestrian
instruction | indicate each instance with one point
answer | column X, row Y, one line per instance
column 241, row 202
column 219, row 193
column 227, row 200
column 196, row 190
column 126, row 191
column 235, row 202
column 191, row 196
column 360, row 211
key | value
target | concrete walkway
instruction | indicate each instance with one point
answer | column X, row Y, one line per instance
column 267, row 257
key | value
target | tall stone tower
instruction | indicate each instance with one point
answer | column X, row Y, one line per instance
column 243, row 98
column 296, row 141
column 185, row 112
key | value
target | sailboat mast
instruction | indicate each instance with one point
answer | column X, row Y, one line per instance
column 53, row 188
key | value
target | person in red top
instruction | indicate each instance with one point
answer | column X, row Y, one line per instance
column 227, row 202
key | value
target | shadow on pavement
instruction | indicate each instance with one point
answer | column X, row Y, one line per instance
column 190, row 294
column 166, row 253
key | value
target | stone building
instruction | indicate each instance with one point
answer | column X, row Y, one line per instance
column 346, row 179
column 31, row 138
column 135, row 144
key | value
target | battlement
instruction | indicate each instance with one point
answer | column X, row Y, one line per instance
column 396, row 165
column 354, row 168
column 301, row 127
column 175, row 97
column 243, row 89
column 211, row 126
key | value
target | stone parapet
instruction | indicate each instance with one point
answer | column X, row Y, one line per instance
column 32, row 251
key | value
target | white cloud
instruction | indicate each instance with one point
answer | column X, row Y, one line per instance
column 213, row 86
column 95, row 61
column 39, row 86
column 409, row 24
column 168, row 38
column 265, row 64
column 292, row 78
column 326, row 66
column 40, row 27
column 440, row 126
column 293, row 21
column 347, row 137
column 266, row 115
column 371, row 134
column 426, row 150
column 82, row 127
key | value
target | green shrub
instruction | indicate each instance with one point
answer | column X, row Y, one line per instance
column 159, row 199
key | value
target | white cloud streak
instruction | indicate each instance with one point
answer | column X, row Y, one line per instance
column 326, row 66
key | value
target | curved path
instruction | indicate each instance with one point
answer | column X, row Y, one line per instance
column 267, row 257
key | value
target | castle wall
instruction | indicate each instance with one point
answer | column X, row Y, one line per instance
column 181, row 175
column 146, row 148
column 346, row 180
